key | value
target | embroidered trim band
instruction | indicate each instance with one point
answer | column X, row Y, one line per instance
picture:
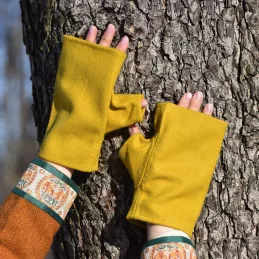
column 47, row 188
column 169, row 247
column 168, row 239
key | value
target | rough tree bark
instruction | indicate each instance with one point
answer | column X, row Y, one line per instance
column 175, row 46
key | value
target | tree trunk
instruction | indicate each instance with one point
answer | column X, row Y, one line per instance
column 175, row 46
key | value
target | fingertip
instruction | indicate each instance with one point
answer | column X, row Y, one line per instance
column 208, row 109
column 185, row 100
column 108, row 35
column 111, row 27
column 92, row 33
column 196, row 101
column 144, row 103
column 123, row 44
column 133, row 129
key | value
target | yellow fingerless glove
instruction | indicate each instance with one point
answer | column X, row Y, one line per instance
column 84, row 107
column 172, row 171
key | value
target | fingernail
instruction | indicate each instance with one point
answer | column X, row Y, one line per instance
column 110, row 28
column 188, row 96
column 144, row 103
column 210, row 107
column 198, row 95
column 91, row 29
column 124, row 40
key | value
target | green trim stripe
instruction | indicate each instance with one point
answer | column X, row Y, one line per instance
column 167, row 239
column 48, row 167
column 39, row 204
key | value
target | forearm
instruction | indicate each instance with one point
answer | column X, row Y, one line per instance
column 65, row 170
column 153, row 231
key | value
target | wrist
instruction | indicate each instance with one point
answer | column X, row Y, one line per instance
column 63, row 169
column 154, row 231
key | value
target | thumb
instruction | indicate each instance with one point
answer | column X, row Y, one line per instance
column 133, row 129
column 124, row 110
column 134, row 152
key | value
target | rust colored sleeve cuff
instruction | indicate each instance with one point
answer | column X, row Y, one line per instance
column 28, row 217
column 47, row 188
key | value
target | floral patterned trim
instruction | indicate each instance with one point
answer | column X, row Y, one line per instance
column 168, row 239
column 169, row 247
column 47, row 188
column 48, row 167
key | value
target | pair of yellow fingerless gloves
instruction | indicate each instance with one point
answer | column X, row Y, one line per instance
column 171, row 171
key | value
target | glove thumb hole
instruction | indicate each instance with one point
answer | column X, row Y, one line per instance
column 133, row 154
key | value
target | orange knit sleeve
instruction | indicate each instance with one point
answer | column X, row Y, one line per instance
column 31, row 215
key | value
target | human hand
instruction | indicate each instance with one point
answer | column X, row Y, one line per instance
column 85, row 108
column 192, row 102
column 172, row 171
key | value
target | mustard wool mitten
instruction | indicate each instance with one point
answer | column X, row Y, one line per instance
column 85, row 107
column 172, row 171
